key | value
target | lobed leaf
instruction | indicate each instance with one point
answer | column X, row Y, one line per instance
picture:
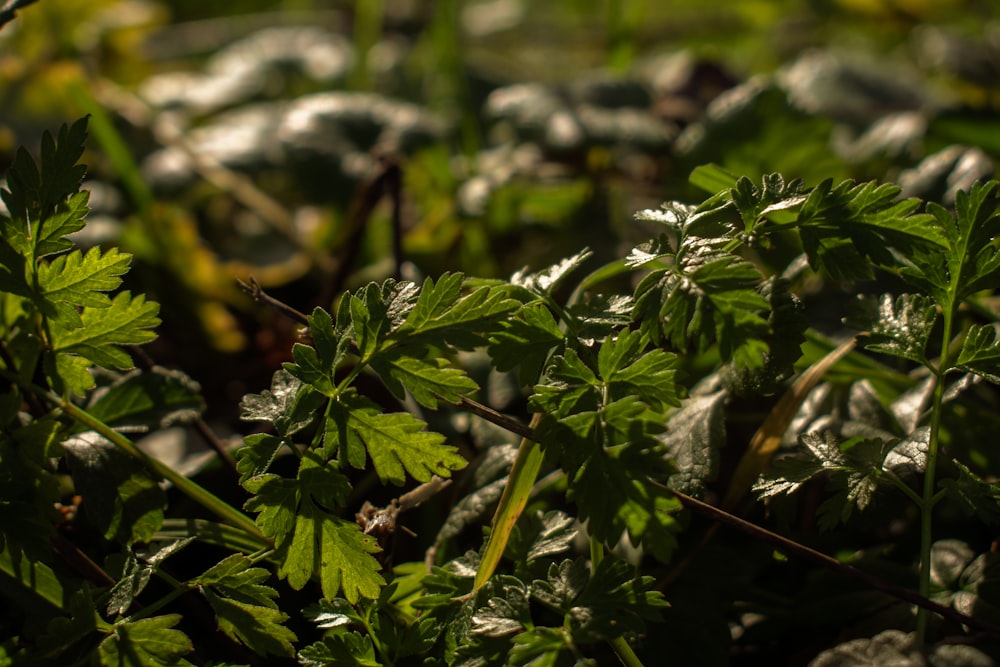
column 397, row 443
column 525, row 341
column 149, row 399
column 127, row 320
column 900, row 328
column 428, row 381
column 148, row 642
column 980, row 353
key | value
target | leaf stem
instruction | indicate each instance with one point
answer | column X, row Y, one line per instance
column 625, row 652
column 928, row 499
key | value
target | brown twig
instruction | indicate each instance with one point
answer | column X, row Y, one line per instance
column 146, row 363
column 792, row 547
column 821, row 559
column 260, row 296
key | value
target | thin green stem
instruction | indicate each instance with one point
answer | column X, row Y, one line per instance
column 596, row 554
column 927, row 504
column 905, row 488
column 198, row 494
column 625, row 653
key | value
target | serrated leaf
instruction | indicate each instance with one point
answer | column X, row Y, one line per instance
column 122, row 500
column 139, row 567
column 541, row 535
column 441, row 314
column 289, row 404
column 336, row 551
column 981, row 353
column 257, row 627
column 257, row 454
column 76, row 279
column 506, row 611
column 397, row 443
column 153, row 399
column 974, row 495
column 640, row 509
column 428, row 381
column 350, row 649
column 900, row 328
column 127, row 321
column 309, row 368
column 33, row 194
column 333, row 613
column 69, row 218
column 525, row 341
column 708, row 296
column 694, row 436
column 651, row 377
column 149, row 642
column 310, row 540
column 69, row 373
column 544, row 282
column 856, row 469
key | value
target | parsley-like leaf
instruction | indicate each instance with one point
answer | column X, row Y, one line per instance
column 429, row 381
column 900, row 328
column 149, row 642
column 981, row 353
column 245, row 608
column 128, row 320
column 310, row 540
column 396, row 442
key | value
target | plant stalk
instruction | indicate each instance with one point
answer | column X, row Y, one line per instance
column 195, row 492
column 928, row 499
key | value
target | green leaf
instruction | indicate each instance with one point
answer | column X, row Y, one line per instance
column 76, row 279
column 650, row 376
column 603, row 605
column 139, row 567
column 974, row 495
column 256, row 627
column 350, row 649
column 290, row 405
column 310, row 540
column 901, row 328
column 257, row 454
column 543, row 283
column 694, row 436
column 525, row 341
column 317, row 365
column 127, row 321
column 441, row 315
column 155, row 398
column 246, row 609
column 428, row 381
column 396, row 442
column 856, row 469
column 147, row 642
column 707, row 296
column 34, row 195
column 541, row 535
column 506, row 611
column 122, row 500
column 336, row 551
column 69, row 218
column 980, row 353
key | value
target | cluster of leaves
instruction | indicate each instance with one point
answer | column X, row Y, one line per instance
column 611, row 421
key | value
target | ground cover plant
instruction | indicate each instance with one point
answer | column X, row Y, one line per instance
column 753, row 423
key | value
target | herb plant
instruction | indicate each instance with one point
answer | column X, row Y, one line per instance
column 628, row 370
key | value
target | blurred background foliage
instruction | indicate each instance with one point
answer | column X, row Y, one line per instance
column 244, row 139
